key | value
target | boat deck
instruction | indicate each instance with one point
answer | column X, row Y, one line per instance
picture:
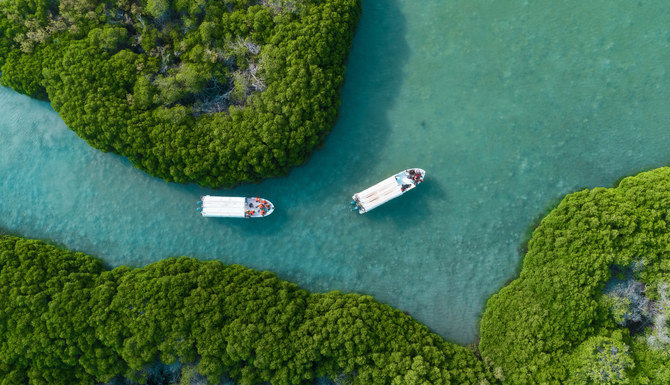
column 389, row 188
column 258, row 207
column 235, row 207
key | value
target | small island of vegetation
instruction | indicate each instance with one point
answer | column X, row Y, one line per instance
column 592, row 303
column 212, row 92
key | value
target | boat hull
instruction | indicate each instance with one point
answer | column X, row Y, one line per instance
column 234, row 207
column 388, row 189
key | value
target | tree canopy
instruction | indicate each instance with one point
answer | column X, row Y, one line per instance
column 65, row 319
column 213, row 92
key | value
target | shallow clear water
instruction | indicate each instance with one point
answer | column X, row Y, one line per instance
column 507, row 106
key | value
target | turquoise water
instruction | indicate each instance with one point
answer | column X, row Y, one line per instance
column 507, row 106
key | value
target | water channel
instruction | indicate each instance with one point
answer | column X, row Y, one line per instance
column 508, row 106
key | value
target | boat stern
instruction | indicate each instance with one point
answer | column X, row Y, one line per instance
column 356, row 203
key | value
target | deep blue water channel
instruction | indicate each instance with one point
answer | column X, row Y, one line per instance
column 508, row 106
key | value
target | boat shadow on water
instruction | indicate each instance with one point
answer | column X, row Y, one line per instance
column 413, row 208
column 265, row 226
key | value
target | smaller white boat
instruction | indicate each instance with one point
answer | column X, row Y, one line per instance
column 234, row 207
column 391, row 187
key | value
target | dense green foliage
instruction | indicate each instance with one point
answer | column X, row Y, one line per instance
column 591, row 305
column 216, row 92
column 64, row 319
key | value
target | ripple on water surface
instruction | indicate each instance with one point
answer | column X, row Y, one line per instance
column 507, row 105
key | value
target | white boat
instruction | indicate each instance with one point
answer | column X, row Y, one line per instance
column 391, row 187
column 234, row 207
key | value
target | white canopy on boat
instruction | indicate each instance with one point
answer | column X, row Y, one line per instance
column 214, row 206
column 379, row 194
